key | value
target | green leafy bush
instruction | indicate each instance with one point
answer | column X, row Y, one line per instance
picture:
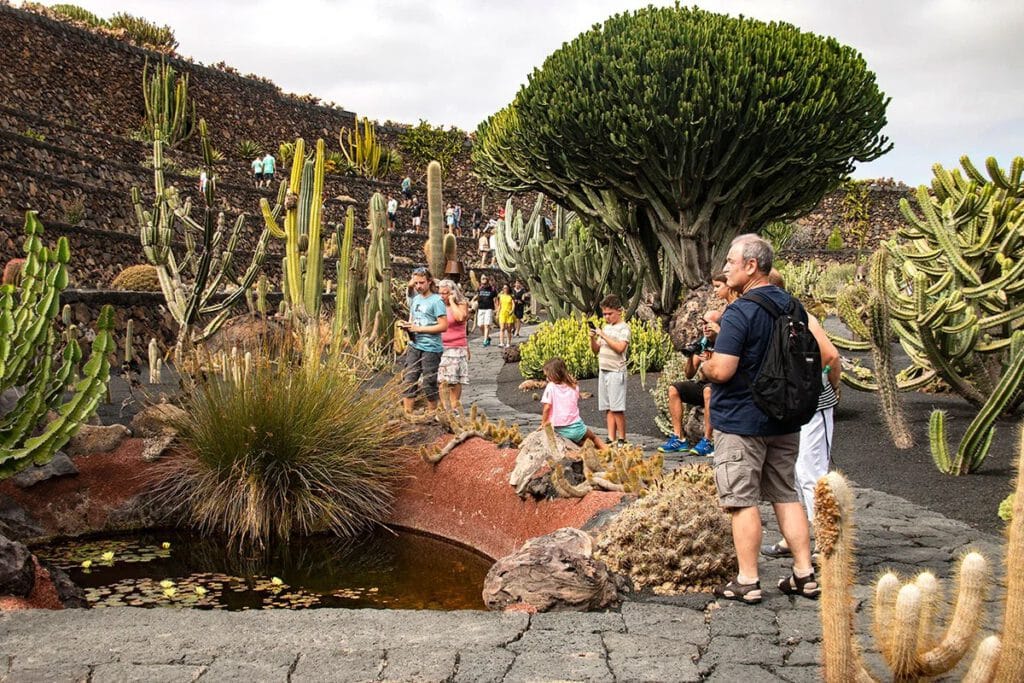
column 76, row 13
column 568, row 338
column 286, row 450
column 424, row 143
column 144, row 32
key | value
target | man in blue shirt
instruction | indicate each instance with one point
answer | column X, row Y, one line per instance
column 427, row 320
column 755, row 456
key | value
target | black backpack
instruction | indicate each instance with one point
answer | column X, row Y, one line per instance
column 788, row 383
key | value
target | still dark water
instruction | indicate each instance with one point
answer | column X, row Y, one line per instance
column 181, row 569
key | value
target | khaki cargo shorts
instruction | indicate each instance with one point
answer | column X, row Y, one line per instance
column 749, row 469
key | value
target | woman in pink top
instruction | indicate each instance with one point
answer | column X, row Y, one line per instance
column 454, row 369
column 561, row 405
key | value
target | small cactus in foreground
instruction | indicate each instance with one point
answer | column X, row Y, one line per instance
column 140, row 278
column 903, row 615
column 675, row 539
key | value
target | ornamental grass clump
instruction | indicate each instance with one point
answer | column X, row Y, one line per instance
column 286, row 450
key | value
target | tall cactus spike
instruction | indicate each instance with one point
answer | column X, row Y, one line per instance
column 435, row 214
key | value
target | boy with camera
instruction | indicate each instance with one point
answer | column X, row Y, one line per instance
column 610, row 343
column 694, row 393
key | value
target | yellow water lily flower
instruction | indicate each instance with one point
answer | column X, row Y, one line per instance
column 169, row 592
column 276, row 581
column 167, row 583
column 200, row 590
column 108, row 556
column 86, row 564
column 165, row 545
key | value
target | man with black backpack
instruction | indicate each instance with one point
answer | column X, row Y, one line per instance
column 766, row 375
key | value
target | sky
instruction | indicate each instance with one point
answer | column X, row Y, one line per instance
column 953, row 68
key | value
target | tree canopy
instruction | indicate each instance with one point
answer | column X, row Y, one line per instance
column 672, row 130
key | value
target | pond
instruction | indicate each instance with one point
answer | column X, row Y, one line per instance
column 386, row 569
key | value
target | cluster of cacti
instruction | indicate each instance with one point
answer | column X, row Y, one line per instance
column 567, row 267
column 674, row 371
column 364, row 153
column 955, row 296
column 904, row 616
column 476, row 423
column 191, row 282
column 170, row 115
column 365, row 307
column 303, row 266
column 674, row 539
column 569, row 339
column 138, row 278
column 28, row 340
column 624, row 469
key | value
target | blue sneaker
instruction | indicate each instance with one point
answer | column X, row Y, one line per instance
column 704, row 447
column 487, row 341
column 674, row 445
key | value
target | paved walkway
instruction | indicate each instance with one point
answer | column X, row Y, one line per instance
column 685, row 638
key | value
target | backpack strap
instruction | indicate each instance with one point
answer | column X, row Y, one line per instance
column 773, row 308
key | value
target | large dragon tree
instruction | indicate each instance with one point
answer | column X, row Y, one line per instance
column 677, row 129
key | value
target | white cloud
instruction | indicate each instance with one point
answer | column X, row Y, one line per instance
column 951, row 66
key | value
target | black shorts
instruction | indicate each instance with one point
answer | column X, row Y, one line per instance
column 258, row 175
column 407, row 193
column 691, row 393
column 268, row 176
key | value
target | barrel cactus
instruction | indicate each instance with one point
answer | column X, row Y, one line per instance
column 675, row 539
column 140, row 278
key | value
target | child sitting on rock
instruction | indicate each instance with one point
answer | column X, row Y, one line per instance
column 561, row 405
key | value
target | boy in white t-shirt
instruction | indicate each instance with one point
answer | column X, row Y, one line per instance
column 610, row 344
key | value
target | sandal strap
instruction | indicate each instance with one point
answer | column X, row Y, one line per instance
column 806, row 586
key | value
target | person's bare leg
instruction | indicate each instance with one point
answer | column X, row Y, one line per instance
column 793, row 524
column 455, row 397
column 707, row 413
column 675, row 411
column 596, row 440
column 620, row 424
column 746, row 538
column 610, row 424
column 408, row 403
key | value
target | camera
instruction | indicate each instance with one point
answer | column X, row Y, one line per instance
column 697, row 347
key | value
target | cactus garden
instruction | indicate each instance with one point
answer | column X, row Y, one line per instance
column 209, row 322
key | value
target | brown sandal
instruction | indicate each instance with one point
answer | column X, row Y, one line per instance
column 806, row 587
column 747, row 593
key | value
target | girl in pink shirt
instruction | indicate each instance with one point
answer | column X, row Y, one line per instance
column 561, row 405
column 453, row 371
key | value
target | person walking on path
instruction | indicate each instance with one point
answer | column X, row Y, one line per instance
column 417, row 213
column 269, row 166
column 427, row 320
column 453, row 372
column 392, row 213
column 506, row 316
column 520, row 297
column 610, row 343
column 484, row 299
column 257, row 171
column 406, row 191
column 483, row 245
column 755, row 455
column 561, row 406
column 816, row 436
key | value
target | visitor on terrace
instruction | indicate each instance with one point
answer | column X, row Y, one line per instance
column 484, row 300
column 269, row 166
column 427, row 320
column 406, row 192
column 561, row 406
column 392, row 213
column 755, row 455
column 453, row 372
column 417, row 214
column 257, row 171
column 520, row 297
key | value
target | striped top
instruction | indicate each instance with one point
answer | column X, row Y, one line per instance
column 828, row 397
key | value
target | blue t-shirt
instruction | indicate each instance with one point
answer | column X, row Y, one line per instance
column 425, row 310
column 746, row 328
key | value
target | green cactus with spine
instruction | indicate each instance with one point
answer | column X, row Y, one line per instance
column 170, row 114
column 364, row 152
column 435, row 214
column 192, row 282
column 303, row 274
column 28, row 339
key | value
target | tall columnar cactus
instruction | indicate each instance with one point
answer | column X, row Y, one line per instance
column 303, row 234
column 28, row 338
column 377, row 314
column 903, row 615
column 170, row 114
column 364, row 152
column 193, row 283
column 514, row 233
column 435, row 213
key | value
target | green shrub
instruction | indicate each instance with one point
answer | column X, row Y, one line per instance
column 74, row 212
column 34, row 135
column 249, row 149
column 568, row 338
column 424, row 143
column 286, row 451
column 144, row 32
column 76, row 13
column 835, row 240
